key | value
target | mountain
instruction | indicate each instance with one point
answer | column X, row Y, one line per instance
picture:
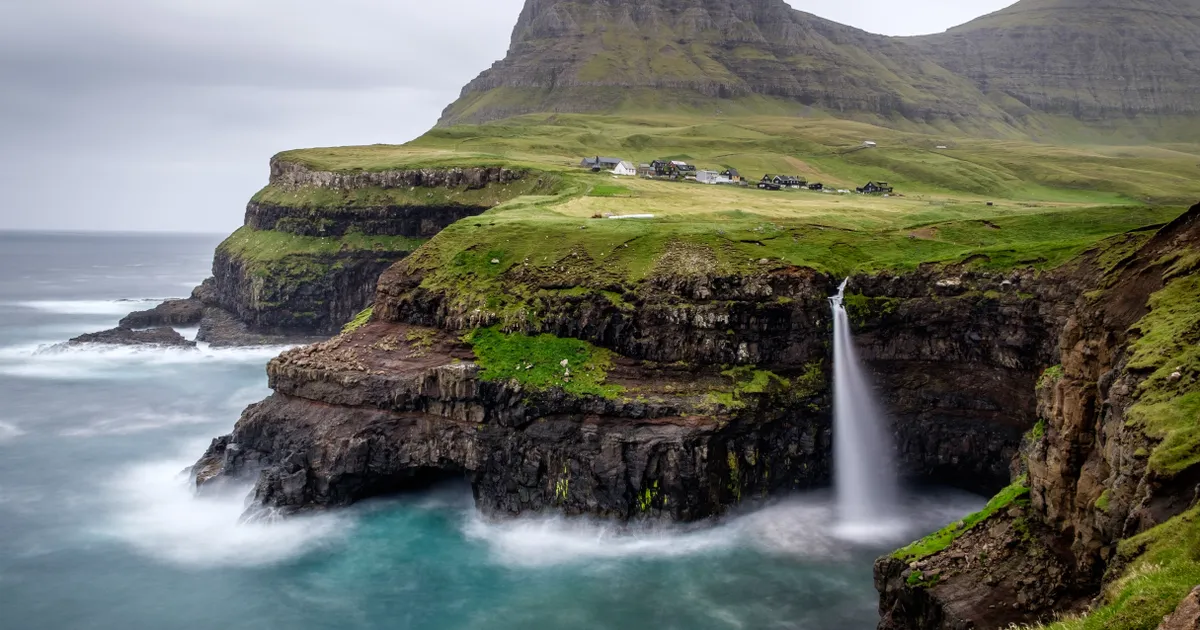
column 603, row 55
column 1087, row 59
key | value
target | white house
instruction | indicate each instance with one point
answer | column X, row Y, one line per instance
column 707, row 177
column 870, row 144
column 625, row 168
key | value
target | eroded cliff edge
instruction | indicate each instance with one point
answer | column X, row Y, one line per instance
column 316, row 240
column 687, row 395
column 1102, row 512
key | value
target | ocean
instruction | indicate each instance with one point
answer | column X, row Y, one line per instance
column 100, row 529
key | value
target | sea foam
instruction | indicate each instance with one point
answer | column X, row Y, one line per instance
column 156, row 512
column 110, row 362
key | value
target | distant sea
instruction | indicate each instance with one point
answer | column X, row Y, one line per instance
column 99, row 528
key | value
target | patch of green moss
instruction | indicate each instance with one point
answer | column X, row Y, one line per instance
column 648, row 496
column 1168, row 347
column 940, row 540
column 1103, row 501
column 917, row 579
column 536, row 362
column 1051, row 376
column 359, row 320
column 735, row 475
column 1037, row 432
column 861, row 308
column 747, row 382
column 563, row 485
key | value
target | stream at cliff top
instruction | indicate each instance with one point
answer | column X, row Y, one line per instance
column 99, row 530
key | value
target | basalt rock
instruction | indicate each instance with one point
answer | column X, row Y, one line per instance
column 374, row 412
column 170, row 313
column 122, row 336
column 305, row 295
column 1089, row 482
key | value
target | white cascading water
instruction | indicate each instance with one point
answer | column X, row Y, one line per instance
column 864, row 478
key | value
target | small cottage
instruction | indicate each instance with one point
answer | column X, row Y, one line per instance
column 645, row 170
column 600, row 163
column 875, row 188
column 683, row 168
column 625, row 168
column 788, row 181
column 732, row 174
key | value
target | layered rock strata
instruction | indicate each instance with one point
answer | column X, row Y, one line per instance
column 1088, row 473
column 303, row 266
column 375, row 412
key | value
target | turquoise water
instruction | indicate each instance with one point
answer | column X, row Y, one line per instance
column 99, row 528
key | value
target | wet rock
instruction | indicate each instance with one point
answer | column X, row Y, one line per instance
column 170, row 313
column 120, row 336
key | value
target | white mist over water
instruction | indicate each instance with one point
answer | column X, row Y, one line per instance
column 156, row 511
column 864, row 477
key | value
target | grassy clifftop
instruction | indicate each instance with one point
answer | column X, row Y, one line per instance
column 818, row 148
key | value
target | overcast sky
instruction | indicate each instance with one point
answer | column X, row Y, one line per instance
column 162, row 114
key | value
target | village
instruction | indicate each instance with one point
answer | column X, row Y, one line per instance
column 678, row 170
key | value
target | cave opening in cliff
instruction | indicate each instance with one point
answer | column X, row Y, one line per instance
column 411, row 481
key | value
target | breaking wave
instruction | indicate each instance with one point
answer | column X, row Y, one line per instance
column 106, row 362
column 156, row 512
column 91, row 307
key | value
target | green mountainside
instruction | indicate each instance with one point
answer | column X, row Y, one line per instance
column 1088, row 59
column 713, row 56
column 1040, row 67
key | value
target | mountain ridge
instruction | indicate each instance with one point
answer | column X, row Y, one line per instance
column 1002, row 72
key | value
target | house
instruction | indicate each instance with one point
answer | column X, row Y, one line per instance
column 663, row 168
column 768, row 182
column 645, row 170
column 788, row 181
column 708, row 177
column 869, row 144
column 873, row 188
column 732, row 174
column 625, row 168
column 817, row 186
column 600, row 163
column 683, row 168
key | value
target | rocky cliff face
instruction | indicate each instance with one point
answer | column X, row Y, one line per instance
column 579, row 55
column 404, row 400
column 1090, row 59
column 315, row 243
column 1097, row 473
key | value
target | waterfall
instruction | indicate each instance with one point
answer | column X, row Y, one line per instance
column 864, row 478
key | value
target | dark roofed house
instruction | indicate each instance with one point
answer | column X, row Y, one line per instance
column 789, row 181
column 732, row 174
column 875, row 188
column 768, row 182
